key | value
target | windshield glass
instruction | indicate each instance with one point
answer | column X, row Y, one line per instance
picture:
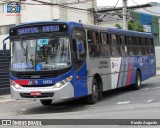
column 40, row 54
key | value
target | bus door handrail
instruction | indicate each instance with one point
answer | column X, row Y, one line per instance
column 4, row 45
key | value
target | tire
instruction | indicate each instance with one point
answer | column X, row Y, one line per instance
column 93, row 98
column 137, row 84
column 46, row 102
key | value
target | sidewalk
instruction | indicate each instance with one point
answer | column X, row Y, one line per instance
column 5, row 98
column 158, row 72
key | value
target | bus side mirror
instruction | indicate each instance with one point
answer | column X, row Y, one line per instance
column 4, row 45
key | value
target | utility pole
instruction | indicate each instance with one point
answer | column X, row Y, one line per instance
column 125, row 23
column 51, row 9
column 18, row 17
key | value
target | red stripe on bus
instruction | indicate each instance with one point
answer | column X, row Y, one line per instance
column 129, row 72
column 22, row 82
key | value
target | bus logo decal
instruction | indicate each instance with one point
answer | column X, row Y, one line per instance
column 114, row 65
column 33, row 82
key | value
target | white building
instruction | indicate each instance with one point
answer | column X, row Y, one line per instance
column 67, row 10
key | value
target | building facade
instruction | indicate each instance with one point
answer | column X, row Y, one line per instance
column 45, row 10
column 150, row 19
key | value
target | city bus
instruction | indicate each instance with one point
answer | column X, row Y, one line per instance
column 54, row 61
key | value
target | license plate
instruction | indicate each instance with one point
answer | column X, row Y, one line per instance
column 35, row 93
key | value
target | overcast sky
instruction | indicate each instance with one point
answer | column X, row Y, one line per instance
column 130, row 3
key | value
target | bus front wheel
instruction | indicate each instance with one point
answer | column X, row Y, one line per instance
column 93, row 98
column 137, row 84
column 46, row 102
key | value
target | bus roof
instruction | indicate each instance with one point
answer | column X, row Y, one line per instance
column 120, row 31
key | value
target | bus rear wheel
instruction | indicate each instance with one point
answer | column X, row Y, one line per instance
column 137, row 84
column 46, row 102
column 93, row 98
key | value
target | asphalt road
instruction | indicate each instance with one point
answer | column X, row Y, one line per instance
column 116, row 104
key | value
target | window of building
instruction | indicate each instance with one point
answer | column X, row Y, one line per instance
column 23, row 6
column 1, row 8
column 5, row 29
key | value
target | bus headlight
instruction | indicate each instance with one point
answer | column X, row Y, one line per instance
column 17, row 86
column 63, row 82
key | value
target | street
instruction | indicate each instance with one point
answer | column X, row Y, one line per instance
column 116, row 104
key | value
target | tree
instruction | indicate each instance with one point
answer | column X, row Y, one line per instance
column 135, row 26
column 118, row 26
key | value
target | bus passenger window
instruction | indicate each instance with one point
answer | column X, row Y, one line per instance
column 104, row 39
column 115, row 48
column 124, row 51
column 139, row 50
column 123, row 46
column 94, row 46
column 104, row 46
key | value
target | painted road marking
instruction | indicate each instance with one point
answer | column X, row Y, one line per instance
column 145, row 89
column 24, row 109
column 124, row 102
column 8, row 100
column 150, row 100
column 156, row 88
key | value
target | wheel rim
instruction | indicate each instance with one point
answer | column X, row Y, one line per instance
column 138, row 81
column 95, row 91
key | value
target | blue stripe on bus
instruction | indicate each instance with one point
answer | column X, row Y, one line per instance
column 80, row 86
column 52, row 80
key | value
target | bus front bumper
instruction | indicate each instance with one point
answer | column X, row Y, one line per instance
column 56, row 94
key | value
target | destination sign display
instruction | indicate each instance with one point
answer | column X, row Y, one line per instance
column 38, row 29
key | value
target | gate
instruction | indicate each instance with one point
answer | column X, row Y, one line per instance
column 4, row 73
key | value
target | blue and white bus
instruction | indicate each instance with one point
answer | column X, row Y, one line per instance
column 56, row 61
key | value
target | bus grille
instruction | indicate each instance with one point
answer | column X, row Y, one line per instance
column 27, row 95
column 36, row 75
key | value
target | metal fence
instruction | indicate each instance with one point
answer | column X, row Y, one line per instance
column 4, row 72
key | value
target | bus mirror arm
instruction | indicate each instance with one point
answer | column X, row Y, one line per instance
column 4, row 45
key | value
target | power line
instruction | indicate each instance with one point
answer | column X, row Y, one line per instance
column 116, row 3
column 68, row 7
column 133, row 18
column 145, row 8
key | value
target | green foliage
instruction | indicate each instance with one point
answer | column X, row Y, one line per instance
column 135, row 26
column 118, row 26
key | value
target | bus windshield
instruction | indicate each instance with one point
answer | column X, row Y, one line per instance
column 41, row 54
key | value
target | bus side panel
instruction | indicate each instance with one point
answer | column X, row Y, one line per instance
column 80, row 86
column 133, row 62
column 116, row 66
column 148, row 67
column 127, row 71
column 102, row 67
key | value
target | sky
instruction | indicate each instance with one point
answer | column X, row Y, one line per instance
column 130, row 3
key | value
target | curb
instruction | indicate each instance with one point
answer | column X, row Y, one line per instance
column 5, row 97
